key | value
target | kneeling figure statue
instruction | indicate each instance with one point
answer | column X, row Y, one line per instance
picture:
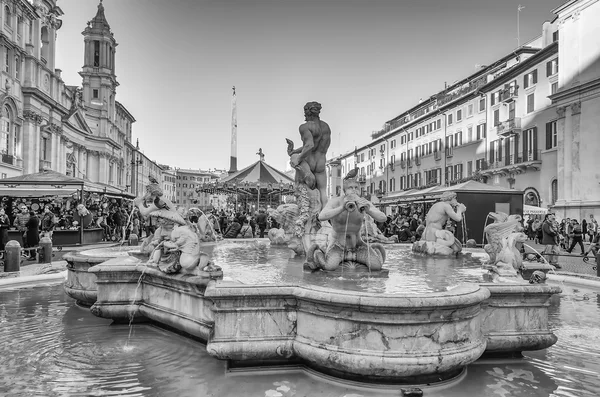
column 346, row 247
column 436, row 240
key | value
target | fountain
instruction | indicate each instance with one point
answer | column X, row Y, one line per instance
column 328, row 310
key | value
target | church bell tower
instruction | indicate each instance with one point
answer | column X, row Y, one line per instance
column 98, row 73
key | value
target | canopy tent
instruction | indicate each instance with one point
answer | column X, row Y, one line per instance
column 533, row 210
column 52, row 183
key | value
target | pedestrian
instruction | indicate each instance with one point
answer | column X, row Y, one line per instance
column 576, row 237
column 261, row 221
column 4, row 226
column 550, row 239
column 32, row 235
column 584, row 229
column 48, row 223
column 592, row 227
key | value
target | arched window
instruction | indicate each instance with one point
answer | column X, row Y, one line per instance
column 554, row 191
column 45, row 43
column 5, row 127
column 7, row 16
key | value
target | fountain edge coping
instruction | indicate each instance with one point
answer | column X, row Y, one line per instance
column 28, row 280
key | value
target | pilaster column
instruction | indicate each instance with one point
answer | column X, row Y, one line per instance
column 575, row 174
column 560, row 156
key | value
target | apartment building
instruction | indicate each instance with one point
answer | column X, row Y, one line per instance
column 497, row 126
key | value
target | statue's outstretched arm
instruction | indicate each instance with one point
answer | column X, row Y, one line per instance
column 330, row 211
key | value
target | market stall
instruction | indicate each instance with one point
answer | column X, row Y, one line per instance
column 62, row 194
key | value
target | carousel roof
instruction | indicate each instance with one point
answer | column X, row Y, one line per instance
column 259, row 172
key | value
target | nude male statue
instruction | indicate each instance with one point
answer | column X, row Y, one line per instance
column 316, row 138
column 439, row 214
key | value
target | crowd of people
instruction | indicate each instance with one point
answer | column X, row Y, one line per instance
column 564, row 235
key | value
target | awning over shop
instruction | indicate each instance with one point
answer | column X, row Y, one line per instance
column 36, row 191
column 52, row 183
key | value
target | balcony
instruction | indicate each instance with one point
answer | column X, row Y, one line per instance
column 45, row 165
column 437, row 155
column 362, row 179
column 409, row 163
column 509, row 94
column 418, row 161
column 403, row 164
column 509, row 127
column 516, row 163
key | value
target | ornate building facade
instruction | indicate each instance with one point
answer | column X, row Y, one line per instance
column 498, row 125
column 79, row 131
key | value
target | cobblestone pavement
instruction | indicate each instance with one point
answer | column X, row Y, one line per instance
column 570, row 263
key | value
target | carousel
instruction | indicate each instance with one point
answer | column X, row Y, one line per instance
column 258, row 185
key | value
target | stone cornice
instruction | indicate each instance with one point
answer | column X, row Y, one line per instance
column 45, row 98
column 565, row 95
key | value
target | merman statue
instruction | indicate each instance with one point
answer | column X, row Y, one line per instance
column 436, row 240
column 346, row 248
column 174, row 247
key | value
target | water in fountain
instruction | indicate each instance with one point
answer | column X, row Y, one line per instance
column 132, row 315
column 210, row 225
column 55, row 348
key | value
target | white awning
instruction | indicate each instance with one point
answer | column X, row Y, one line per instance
column 533, row 210
column 36, row 191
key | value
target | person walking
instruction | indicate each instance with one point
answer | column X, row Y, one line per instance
column 32, row 235
column 261, row 221
column 4, row 226
column 576, row 237
column 48, row 223
column 549, row 239
column 592, row 227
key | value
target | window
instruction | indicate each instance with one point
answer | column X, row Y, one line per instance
column 439, row 124
column 458, row 139
column 18, row 68
column 555, row 38
column 458, row 172
column 496, row 117
column 470, row 110
column 469, row 168
column 530, row 79
column 469, row 134
column 481, row 131
column 6, row 60
column 362, row 157
column 554, row 189
column 554, row 88
column 551, row 67
column 530, row 103
column 449, row 119
column 30, row 31
column 8, row 16
column 458, row 115
column 392, row 185
column 44, row 149
column 393, row 144
column 551, row 135
column 96, row 53
column 95, row 93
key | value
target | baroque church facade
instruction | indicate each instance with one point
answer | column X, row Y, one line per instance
column 46, row 124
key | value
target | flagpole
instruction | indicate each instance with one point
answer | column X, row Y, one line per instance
column 519, row 9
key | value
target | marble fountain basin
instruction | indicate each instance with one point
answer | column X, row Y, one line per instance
column 400, row 337
column 80, row 284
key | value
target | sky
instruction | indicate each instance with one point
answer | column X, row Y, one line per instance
column 365, row 61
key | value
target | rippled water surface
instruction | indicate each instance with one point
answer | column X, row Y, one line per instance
column 51, row 347
column 255, row 262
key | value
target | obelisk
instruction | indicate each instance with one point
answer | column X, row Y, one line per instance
column 233, row 158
